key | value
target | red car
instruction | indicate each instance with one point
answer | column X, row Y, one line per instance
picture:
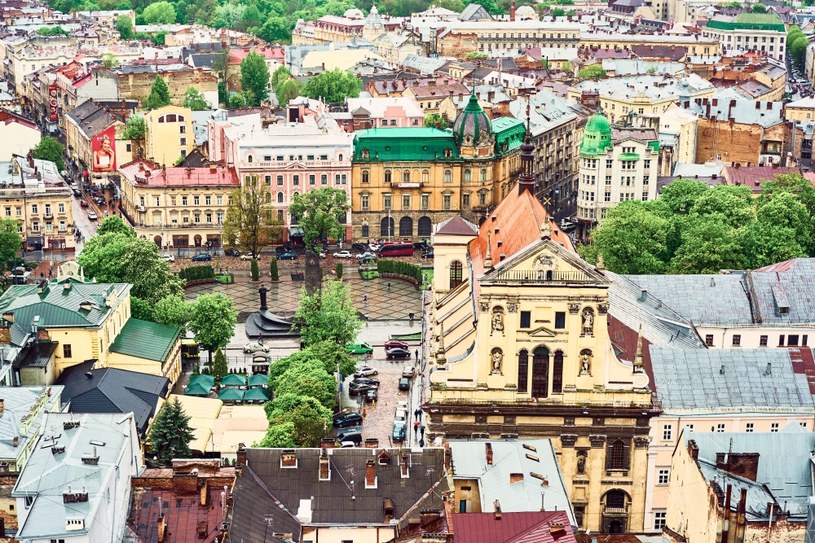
column 392, row 344
column 83, row 203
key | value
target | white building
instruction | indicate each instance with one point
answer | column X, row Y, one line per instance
column 75, row 487
column 615, row 166
column 746, row 32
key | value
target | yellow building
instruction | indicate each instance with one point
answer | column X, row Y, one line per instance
column 177, row 207
column 57, row 324
column 692, row 44
column 801, row 111
column 405, row 180
column 168, row 134
column 520, row 348
column 92, row 143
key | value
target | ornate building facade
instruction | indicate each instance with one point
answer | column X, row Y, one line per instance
column 520, row 348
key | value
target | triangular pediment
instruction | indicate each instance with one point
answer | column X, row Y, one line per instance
column 542, row 331
column 545, row 260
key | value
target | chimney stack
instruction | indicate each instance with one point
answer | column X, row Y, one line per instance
column 496, row 505
column 370, row 474
column 512, row 11
column 488, row 447
column 325, row 465
column 693, row 449
column 403, row 466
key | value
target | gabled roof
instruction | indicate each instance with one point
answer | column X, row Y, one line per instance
column 92, row 118
column 526, row 527
column 456, row 226
column 145, row 339
column 111, row 390
column 18, row 404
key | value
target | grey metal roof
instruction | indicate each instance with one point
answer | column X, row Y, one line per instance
column 758, row 495
column 703, row 299
column 91, row 118
column 48, row 475
column 18, row 404
column 526, row 457
column 793, row 280
column 692, row 379
column 783, row 465
column 111, row 390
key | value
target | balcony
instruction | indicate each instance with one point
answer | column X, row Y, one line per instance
column 539, row 277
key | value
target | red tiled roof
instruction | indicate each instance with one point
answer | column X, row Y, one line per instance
column 443, row 91
column 753, row 176
column 236, row 56
column 8, row 117
column 526, row 527
column 182, row 513
column 513, row 225
column 660, row 51
column 457, row 226
column 624, row 341
column 178, row 177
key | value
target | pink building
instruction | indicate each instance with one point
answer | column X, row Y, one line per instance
column 395, row 111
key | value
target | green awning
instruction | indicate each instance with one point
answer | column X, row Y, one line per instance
column 233, row 380
column 206, row 381
column 256, row 395
column 258, row 380
column 196, row 389
column 231, row 395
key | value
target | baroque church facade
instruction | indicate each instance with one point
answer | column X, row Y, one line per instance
column 519, row 348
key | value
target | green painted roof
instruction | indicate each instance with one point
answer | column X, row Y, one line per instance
column 750, row 21
column 596, row 135
column 509, row 134
column 408, row 144
column 256, row 395
column 145, row 339
column 58, row 306
column 472, row 123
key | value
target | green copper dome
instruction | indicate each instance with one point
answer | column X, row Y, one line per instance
column 472, row 124
column 596, row 135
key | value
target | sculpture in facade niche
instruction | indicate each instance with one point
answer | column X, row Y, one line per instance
column 588, row 322
column 585, row 362
column 496, row 359
column 497, row 320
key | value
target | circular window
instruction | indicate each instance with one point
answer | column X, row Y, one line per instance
column 424, row 148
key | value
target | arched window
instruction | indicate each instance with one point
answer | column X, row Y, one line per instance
column 448, row 176
column 340, row 157
column 279, row 197
column 523, row 371
column 162, row 119
column 406, row 227
column 540, row 372
column 181, row 118
column 425, row 227
column 617, row 456
column 388, row 176
column 557, row 373
column 406, row 176
column 386, row 227
column 268, row 197
column 425, row 176
column 365, row 176
column 249, row 159
column 615, row 499
column 455, row 274
column 483, row 174
column 468, row 175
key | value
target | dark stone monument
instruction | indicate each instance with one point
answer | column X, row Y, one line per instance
column 314, row 274
column 265, row 324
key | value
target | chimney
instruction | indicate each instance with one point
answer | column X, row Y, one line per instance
column 496, row 505
column 516, row 478
column 371, row 443
column 643, row 294
column 16, row 441
column 288, row 458
column 370, row 474
column 2, row 407
column 327, row 443
column 403, row 466
column 488, row 450
column 241, row 455
column 325, row 465
column 512, row 11
column 739, row 464
column 693, row 449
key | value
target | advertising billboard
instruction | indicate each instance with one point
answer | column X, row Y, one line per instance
column 53, row 104
column 103, row 146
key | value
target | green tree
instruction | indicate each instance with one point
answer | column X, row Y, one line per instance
column 251, row 20
column 309, row 376
column 475, row 55
column 237, row 101
column 273, row 271
column 114, row 225
column 327, row 315
column 194, row 99
column 255, row 79
column 680, row 196
column 557, row 12
column 246, row 222
column 159, row 94
column 255, row 271
column 280, row 75
column 213, row 321
column 333, row 356
column 279, row 436
column 228, row 15
column 794, row 184
column 758, row 8
column 319, row 212
column 434, row 120
column 50, row 149
column 595, row 71
column 311, row 419
column 159, row 13
column 52, row 31
column 798, row 48
column 134, row 128
column 173, row 310
column 766, row 244
column 219, row 366
column 202, row 12
column 276, row 29
column 709, row 245
column 10, row 242
column 125, row 27
column 288, row 90
column 333, row 87
column 110, row 61
column 631, row 240
column 170, row 434
column 733, row 204
column 784, row 210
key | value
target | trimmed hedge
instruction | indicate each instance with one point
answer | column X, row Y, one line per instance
column 398, row 267
column 196, row 273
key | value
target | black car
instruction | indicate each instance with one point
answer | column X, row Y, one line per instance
column 428, row 254
column 282, row 249
column 397, row 352
column 232, row 252
column 359, row 247
column 404, row 383
column 358, row 388
column 202, row 257
column 77, row 193
column 354, row 436
column 421, row 246
column 290, row 255
column 366, row 381
column 342, row 420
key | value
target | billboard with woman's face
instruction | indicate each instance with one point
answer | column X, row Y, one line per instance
column 103, row 146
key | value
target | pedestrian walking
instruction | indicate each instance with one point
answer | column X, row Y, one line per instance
column 419, row 412
column 416, row 427
column 421, row 442
column 365, row 298
column 421, row 430
column 417, row 355
column 416, row 414
column 389, row 286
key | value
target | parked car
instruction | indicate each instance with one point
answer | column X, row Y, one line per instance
column 400, row 416
column 372, row 395
column 374, row 247
column 373, row 381
column 232, row 252
column 399, row 431
column 355, row 436
column 77, row 193
column 422, row 246
column 287, row 256
column 365, row 371
column 567, row 224
column 84, row 203
column 249, row 256
column 404, row 383
column 403, row 405
column 395, row 344
column 359, row 388
column 367, row 255
column 408, row 371
column 343, row 254
column 168, row 258
column 92, row 216
column 255, row 347
column 359, row 348
column 397, row 352
column 343, row 420
column 428, row 254
column 347, row 444
column 359, row 247
column 202, row 257
column 282, row 249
